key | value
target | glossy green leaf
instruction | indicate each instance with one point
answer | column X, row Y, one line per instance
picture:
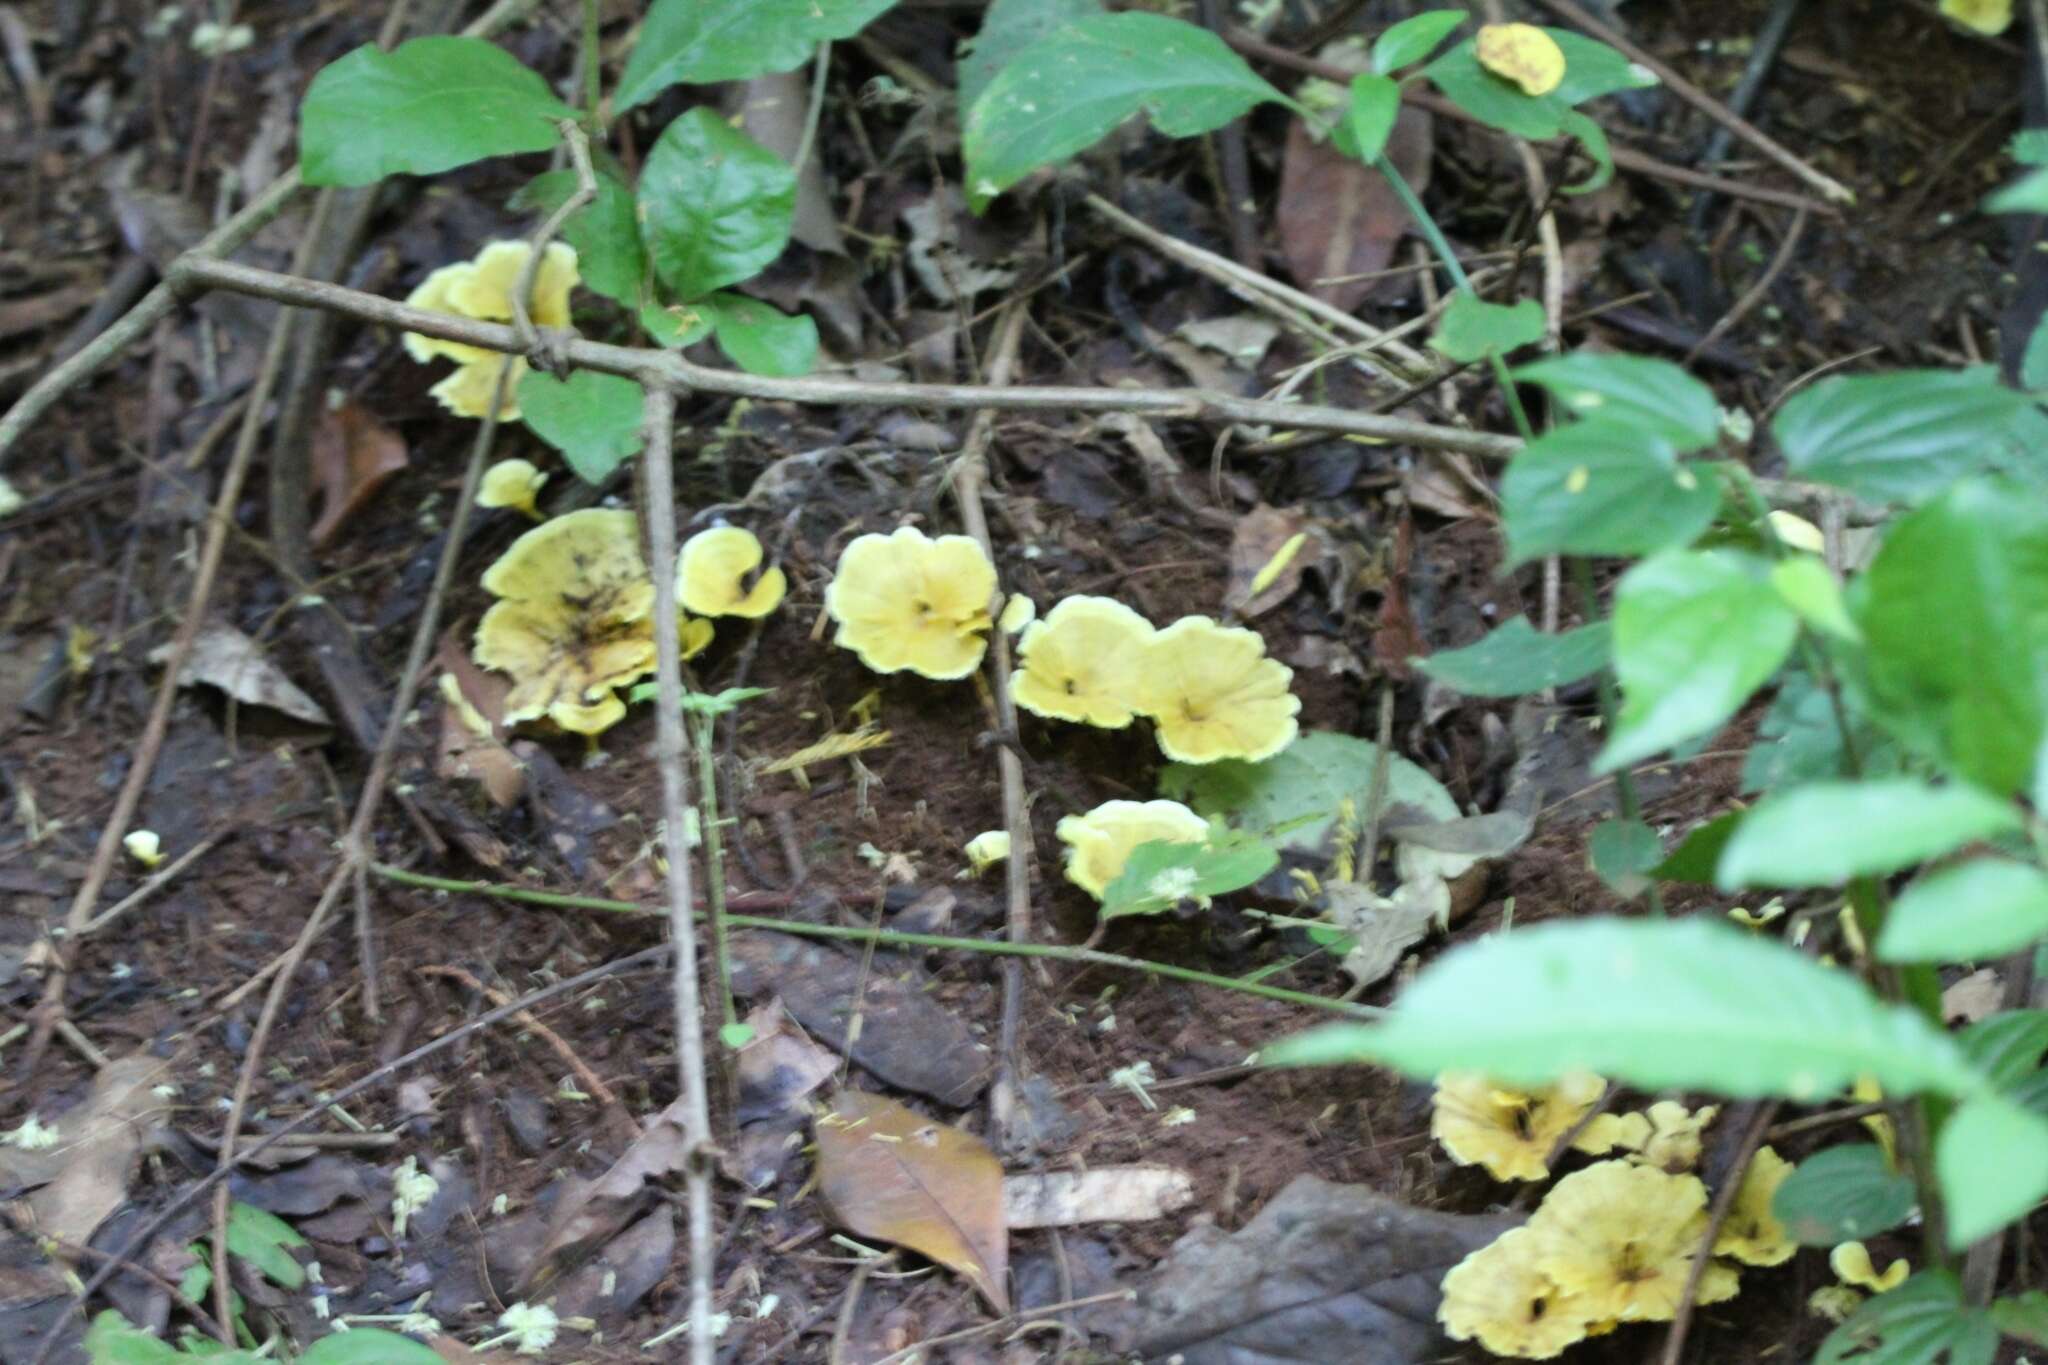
column 1473, row 329
column 1980, row 909
column 1657, row 1004
column 1914, row 1325
column 715, row 205
column 678, row 324
column 1800, row 739
column 1699, row 853
column 592, row 418
column 1633, row 391
column 1159, row 875
column 1413, row 39
column 1843, row 1193
column 1595, row 488
column 2007, row 1047
column 1991, row 1159
column 369, row 1346
column 1903, row 435
column 1695, row 634
column 1296, row 793
column 1008, row 28
column 1805, row 584
column 605, row 232
column 1065, row 93
column 264, row 1240
column 2023, row 1316
column 703, row 42
column 1623, row 852
column 427, row 105
column 1955, row 613
column 1516, row 659
column 761, row 340
column 1375, row 104
column 1825, row 833
column 1591, row 69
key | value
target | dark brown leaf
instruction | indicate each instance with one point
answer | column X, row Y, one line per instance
column 353, row 456
column 1339, row 218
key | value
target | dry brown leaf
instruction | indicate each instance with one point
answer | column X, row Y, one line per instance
column 353, row 456
column 225, row 658
column 1339, row 218
column 591, row 1212
column 890, row 1173
column 1259, row 535
column 100, row 1141
column 463, row 754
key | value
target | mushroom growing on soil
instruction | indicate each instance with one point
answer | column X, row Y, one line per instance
column 514, row 484
column 482, row 289
column 715, row 575
column 1213, row 693
column 1100, row 842
column 908, row 601
column 1082, row 662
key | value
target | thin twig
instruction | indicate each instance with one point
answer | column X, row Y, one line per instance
column 821, row 67
column 1724, row 1200
column 1756, row 293
column 157, row 882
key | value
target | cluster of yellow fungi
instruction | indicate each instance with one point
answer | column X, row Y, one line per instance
column 574, row 620
column 482, row 289
column 1102, row 841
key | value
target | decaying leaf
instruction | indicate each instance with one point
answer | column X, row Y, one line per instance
column 472, row 742
column 225, row 658
column 1103, row 1194
column 591, row 1212
column 890, row 1173
column 353, row 455
column 1262, row 536
column 1339, row 219
column 99, row 1142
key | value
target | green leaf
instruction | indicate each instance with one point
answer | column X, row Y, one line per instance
column 1067, row 92
column 1806, row 586
column 1160, row 875
column 592, row 418
column 1375, row 104
column 1983, row 908
column 1472, row 329
column 1696, row 856
column 1903, row 435
column 2028, row 194
column 676, row 325
column 1843, row 1193
column 1596, row 488
column 1955, row 613
column 1913, row 1325
column 604, row 232
column 1516, row 659
column 113, row 1340
column 428, row 105
column 1825, row 833
column 1633, row 391
column 1296, row 792
column 736, row 1035
column 1413, row 39
column 1658, row 1004
column 2034, row 360
column 1800, row 740
column 1591, row 69
column 709, row 703
column 2007, row 1047
column 1623, row 853
column 703, row 42
column 1008, row 28
column 263, row 1240
column 2024, row 1316
column 369, row 1346
column 1991, row 1159
column 715, row 205
column 761, row 340
column 1695, row 633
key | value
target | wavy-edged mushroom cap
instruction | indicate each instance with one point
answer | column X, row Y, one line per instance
column 482, row 289
column 713, row 570
column 1214, row 694
column 485, row 293
column 1083, row 662
column 907, row 601
column 466, row 390
column 1752, row 1233
column 1100, row 842
column 1498, row 1297
column 514, row 484
column 432, row 297
column 594, row 549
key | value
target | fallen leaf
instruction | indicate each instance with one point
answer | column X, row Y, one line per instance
column 591, row 1212
column 1976, row 996
column 890, row 1173
column 1259, row 536
column 1339, row 218
column 779, row 1065
column 354, row 455
column 100, row 1141
column 464, row 754
column 1103, row 1194
column 225, row 658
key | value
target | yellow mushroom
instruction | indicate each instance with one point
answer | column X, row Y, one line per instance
column 1621, row 1239
column 715, row 575
column 1100, row 842
column 1506, row 1130
column 1498, row 1297
column 1214, row 694
column 908, row 601
column 1988, row 17
column 514, row 484
column 1083, row 662
column 1752, row 1233
column 482, row 289
column 1852, row 1265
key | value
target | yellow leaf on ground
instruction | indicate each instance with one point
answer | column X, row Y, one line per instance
column 1524, row 54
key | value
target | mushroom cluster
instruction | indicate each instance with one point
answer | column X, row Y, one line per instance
column 482, row 289
column 1101, row 842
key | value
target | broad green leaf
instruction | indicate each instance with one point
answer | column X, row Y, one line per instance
column 427, row 105
column 1296, row 793
column 2007, row 1047
column 592, row 418
column 1375, row 104
column 1632, row 391
column 1695, row 633
column 1658, row 1004
column 113, row 1340
column 1067, row 92
column 263, row 1240
column 1473, row 329
column 715, row 205
column 1593, row 139
column 1009, row 27
column 1991, row 1159
column 1160, row 875
column 761, row 340
column 736, row 1035
column 1983, row 908
column 2024, row 1316
column 370, row 1346
column 1591, row 69
column 677, row 325
column 1696, row 856
column 703, row 42
column 1516, row 659
column 1955, row 613
column 2031, row 1092
column 2028, row 194
column 1623, row 853
column 1414, row 38
column 2034, row 360
column 604, row 232
column 1899, row 436
column 1806, row 586
column 1800, row 739
column 1913, row 1325
column 1825, row 833
column 1595, row 488
column 1843, row 1193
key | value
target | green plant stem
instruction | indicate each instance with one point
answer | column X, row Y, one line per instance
column 890, row 938
column 714, row 859
column 593, row 67
column 1624, row 782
